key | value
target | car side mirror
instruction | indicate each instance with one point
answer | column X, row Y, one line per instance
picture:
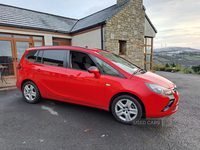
column 94, row 70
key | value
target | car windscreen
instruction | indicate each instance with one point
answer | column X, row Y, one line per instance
column 120, row 62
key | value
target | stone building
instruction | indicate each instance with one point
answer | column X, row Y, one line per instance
column 123, row 28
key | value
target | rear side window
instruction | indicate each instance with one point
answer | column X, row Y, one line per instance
column 53, row 57
column 31, row 56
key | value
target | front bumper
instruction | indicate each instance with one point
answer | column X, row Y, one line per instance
column 164, row 106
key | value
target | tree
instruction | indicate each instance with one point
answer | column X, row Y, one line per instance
column 173, row 65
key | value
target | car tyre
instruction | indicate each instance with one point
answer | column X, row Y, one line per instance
column 31, row 92
column 126, row 109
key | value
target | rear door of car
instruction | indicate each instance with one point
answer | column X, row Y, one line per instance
column 50, row 73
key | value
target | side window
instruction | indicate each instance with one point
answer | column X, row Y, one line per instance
column 53, row 57
column 32, row 55
column 122, row 47
column 80, row 61
column 106, row 68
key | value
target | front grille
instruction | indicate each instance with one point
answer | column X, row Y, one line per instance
column 171, row 102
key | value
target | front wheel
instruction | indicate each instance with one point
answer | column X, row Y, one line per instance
column 30, row 92
column 126, row 109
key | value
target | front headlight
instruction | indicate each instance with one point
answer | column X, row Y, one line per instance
column 159, row 89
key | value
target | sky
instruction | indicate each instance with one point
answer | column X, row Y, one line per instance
column 177, row 21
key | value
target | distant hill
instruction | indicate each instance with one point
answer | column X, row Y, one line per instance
column 175, row 50
column 183, row 56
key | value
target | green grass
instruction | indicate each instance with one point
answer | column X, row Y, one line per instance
column 192, row 57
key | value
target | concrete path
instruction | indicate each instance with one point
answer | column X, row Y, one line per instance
column 11, row 84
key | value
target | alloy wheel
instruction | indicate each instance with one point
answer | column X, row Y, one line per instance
column 126, row 110
column 30, row 92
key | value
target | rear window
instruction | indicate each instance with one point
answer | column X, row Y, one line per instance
column 31, row 56
column 47, row 57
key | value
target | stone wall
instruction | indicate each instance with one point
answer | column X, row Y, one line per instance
column 127, row 25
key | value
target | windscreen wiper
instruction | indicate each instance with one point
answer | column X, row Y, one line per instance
column 139, row 70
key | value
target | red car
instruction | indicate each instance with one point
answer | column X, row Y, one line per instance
column 95, row 78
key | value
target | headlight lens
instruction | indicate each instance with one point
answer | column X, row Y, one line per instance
column 159, row 89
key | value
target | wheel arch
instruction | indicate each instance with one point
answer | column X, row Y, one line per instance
column 130, row 94
column 37, row 97
column 26, row 80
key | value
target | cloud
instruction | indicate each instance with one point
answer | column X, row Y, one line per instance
column 67, row 8
column 95, row 8
column 173, row 11
column 177, row 22
column 183, row 37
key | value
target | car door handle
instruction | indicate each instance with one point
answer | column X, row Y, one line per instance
column 71, row 77
column 38, row 70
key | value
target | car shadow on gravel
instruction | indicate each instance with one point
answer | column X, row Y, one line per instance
column 99, row 115
column 84, row 114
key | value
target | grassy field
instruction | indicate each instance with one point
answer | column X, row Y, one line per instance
column 197, row 57
column 177, row 59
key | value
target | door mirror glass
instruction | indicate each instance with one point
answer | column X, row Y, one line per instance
column 94, row 70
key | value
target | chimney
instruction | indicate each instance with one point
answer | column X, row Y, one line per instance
column 119, row 1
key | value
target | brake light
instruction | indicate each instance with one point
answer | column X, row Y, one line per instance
column 19, row 66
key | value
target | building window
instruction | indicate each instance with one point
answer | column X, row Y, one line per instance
column 21, row 37
column 59, row 42
column 148, row 53
column 122, row 47
column 12, row 47
column 5, row 35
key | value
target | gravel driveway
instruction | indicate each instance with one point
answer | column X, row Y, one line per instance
column 51, row 125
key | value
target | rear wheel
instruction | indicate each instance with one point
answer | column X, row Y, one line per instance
column 126, row 109
column 30, row 92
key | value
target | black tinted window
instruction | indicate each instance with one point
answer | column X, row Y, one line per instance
column 53, row 57
column 32, row 55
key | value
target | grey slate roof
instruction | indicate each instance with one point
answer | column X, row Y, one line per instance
column 23, row 18
column 29, row 19
column 99, row 17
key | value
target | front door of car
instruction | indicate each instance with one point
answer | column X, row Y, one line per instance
column 83, row 87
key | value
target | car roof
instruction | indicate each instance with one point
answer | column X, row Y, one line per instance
column 65, row 47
